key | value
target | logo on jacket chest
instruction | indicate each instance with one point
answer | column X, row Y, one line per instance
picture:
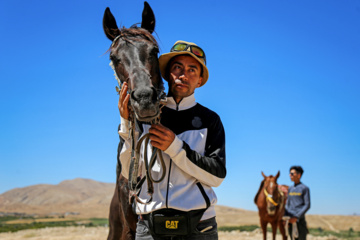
column 196, row 122
column 295, row 194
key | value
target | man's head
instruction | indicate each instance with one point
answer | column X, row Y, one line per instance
column 184, row 68
column 296, row 173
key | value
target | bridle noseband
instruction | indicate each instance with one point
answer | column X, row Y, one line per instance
column 269, row 197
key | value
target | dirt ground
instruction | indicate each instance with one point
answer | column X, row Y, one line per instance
column 100, row 233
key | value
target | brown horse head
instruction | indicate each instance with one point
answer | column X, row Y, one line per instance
column 271, row 192
column 134, row 58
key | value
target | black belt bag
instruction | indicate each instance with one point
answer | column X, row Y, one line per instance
column 170, row 222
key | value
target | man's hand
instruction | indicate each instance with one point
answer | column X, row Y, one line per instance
column 293, row 220
column 161, row 137
column 124, row 101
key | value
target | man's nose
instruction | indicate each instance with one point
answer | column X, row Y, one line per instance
column 182, row 76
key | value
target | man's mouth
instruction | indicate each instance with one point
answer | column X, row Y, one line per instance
column 179, row 83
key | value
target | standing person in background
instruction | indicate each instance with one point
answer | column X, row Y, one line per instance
column 298, row 202
column 192, row 139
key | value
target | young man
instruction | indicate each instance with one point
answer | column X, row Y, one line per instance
column 192, row 140
column 298, row 202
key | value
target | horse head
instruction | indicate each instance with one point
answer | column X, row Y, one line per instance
column 271, row 192
column 134, row 58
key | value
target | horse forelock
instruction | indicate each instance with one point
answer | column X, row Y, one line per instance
column 135, row 34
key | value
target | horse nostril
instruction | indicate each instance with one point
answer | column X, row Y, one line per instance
column 144, row 94
column 132, row 95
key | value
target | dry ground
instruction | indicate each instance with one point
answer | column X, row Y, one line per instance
column 99, row 233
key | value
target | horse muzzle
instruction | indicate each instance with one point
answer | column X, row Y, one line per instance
column 145, row 103
column 271, row 209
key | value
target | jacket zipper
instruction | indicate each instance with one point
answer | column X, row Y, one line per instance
column 168, row 181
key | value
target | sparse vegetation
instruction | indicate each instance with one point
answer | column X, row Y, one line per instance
column 37, row 223
column 248, row 228
column 349, row 234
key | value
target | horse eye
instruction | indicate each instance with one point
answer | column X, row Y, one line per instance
column 115, row 60
column 154, row 51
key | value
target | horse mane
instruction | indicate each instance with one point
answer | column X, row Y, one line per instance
column 258, row 192
column 136, row 34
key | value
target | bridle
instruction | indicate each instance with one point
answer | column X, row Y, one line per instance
column 136, row 182
column 269, row 198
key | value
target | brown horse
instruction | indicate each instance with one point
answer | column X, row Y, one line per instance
column 134, row 58
column 270, row 200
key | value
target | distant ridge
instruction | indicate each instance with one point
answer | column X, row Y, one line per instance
column 86, row 196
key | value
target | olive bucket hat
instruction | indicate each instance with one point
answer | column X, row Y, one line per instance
column 181, row 48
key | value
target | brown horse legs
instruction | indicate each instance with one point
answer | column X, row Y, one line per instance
column 282, row 229
column 274, row 226
column 274, row 229
column 115, row 226
column 263, row 227
column 122, row 220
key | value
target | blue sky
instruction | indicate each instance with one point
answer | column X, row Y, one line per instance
column 284, row 78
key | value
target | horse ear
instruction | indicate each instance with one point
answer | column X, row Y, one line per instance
column 109, row 25
column 148, row 18
column 277, row 175
column 263, row 174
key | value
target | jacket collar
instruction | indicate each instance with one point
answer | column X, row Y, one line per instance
column 185, row 103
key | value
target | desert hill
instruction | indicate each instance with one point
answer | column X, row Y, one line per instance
column 88, row 198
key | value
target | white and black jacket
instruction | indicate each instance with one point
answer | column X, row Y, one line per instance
column 196, row 155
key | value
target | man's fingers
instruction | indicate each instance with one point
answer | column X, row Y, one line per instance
column 126, row 101
column 155, row 138
column 159, row 128
column 123, row 92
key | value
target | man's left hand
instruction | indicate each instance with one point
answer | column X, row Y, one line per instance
column 161, row 137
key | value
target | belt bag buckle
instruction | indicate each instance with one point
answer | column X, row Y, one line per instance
column 177, row 225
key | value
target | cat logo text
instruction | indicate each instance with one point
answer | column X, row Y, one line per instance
column 171, row 224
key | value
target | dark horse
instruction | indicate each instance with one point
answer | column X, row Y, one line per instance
column 270, row 200
column 134, row 57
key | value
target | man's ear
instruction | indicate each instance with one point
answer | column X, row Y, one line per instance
column 199, row 82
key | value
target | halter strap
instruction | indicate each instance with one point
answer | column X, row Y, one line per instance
column 269, row 197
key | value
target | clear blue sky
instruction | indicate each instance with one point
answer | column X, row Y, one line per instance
column 284, row 77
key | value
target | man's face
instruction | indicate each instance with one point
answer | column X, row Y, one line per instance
column 294, row 176
column 184, row 76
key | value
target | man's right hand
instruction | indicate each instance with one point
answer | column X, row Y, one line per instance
column 124, row 101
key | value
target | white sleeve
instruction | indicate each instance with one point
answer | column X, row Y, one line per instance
column 125, row 152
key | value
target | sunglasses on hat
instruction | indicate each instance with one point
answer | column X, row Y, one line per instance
column 181, row 47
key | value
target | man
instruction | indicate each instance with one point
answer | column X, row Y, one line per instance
column 192, row 140
column 298, row 202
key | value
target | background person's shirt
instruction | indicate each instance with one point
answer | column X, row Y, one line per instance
column 298, row 202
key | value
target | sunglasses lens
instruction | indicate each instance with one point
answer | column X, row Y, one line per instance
column 197, row 51
column 180, row 47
